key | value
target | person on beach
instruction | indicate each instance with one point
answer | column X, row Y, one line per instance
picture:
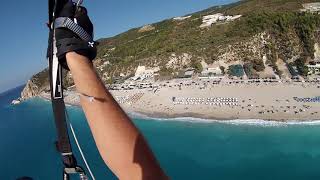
column 121, row 145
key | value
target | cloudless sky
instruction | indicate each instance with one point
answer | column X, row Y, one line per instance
column 24, row 34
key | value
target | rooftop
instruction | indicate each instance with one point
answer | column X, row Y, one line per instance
column 214, row 18
column 181, row 18
column 311, row 7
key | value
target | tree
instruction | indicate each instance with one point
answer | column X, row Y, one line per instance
column 223, row 69
column 302, row 68
column 258, row 65
column 197, row 66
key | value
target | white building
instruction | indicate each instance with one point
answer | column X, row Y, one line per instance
column 311, row 7
column 181, row 18
column 143, row 73
column 314, row 69
column 189, row 73
column 208, row 20
column 212, row 71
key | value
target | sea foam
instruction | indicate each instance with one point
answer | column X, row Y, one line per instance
column 251, row 122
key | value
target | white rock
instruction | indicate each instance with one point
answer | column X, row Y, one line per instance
column 15, row 102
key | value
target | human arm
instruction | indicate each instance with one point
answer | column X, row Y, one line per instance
column 121, row 145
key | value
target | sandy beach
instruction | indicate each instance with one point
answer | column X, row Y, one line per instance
column 266, row 101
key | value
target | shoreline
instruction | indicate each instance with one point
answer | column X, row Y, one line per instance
column 201, row 119
column 192, row 119
column 268, row 102
column 213, row 119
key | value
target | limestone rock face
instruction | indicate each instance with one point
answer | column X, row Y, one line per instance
column 146, row 28
column 38, row 84
column 30, row 90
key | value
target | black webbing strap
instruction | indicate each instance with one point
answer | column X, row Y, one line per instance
column 65, row 22
column 58, row 105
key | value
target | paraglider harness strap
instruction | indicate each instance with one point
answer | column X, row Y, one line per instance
column 65, row 22
column 59, row 109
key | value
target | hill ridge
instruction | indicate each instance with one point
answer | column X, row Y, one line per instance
column 267, row 37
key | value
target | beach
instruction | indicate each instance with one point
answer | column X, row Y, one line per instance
column 294, row 101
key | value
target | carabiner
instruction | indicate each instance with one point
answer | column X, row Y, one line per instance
column 72, row 171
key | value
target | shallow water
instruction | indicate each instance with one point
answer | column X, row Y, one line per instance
column 186, row 148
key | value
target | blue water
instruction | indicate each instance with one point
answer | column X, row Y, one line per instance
column 186, row 150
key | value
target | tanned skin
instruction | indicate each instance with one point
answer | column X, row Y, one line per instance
column 121, row 145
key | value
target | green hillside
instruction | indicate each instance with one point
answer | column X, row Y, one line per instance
column 277, row 29
column 280, row 18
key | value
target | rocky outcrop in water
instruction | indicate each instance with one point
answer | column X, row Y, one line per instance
column 36, row 85
column 31, row 90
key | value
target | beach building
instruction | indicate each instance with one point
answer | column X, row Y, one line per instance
column 250, row 72
column 211, row 71
column 188, row 73
column 314, row 68
column 236, row 70
column 143, row 73
column 293, row 71
column 311, row 7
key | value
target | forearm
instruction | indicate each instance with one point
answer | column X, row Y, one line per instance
column 119, row 142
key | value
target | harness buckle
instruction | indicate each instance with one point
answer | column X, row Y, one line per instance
column 74, row 171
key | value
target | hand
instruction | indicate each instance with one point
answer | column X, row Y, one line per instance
column 74, row 40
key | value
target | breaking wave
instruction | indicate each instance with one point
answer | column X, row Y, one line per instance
column 251, row 122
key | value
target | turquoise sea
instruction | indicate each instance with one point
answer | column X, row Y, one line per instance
column 186, row 148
